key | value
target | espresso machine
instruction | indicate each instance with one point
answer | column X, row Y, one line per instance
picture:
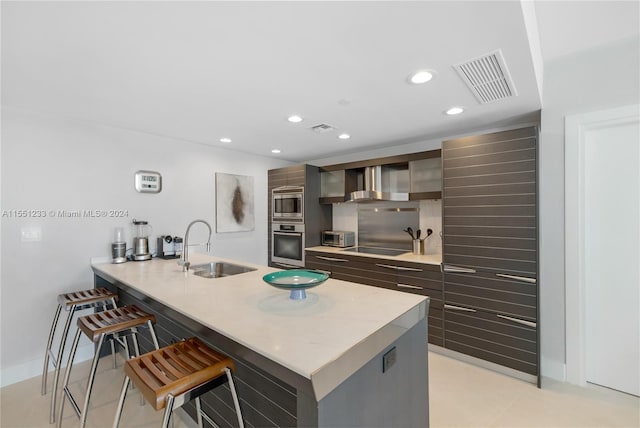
column 141, row 231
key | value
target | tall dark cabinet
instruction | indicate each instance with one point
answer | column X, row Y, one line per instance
column 490, row 248
column 316, row 217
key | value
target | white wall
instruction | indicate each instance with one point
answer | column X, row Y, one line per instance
column 52, row 163
column 587, row 81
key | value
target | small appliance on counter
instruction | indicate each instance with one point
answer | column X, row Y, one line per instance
column 336, row 238
column 119, row 246
column 169, row 247
column 141, row 231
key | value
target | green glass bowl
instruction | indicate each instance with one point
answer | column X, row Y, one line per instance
column 295, row 280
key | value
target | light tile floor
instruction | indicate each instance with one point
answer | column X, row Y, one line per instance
column 461, row 395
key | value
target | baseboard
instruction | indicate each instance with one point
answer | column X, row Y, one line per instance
column 33, row 368
column 553, row 369
column 484, row 364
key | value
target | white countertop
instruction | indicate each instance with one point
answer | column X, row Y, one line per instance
column 324, row 338
column 429, row 259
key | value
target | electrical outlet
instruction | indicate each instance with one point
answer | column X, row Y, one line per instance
column 388, row 359
column 31, row 234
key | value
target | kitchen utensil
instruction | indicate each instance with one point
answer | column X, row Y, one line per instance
column 141, row 231
column 410, row 232
column 418, row 233
column 429, row 232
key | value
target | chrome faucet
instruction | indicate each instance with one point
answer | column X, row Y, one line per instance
column 184, row 260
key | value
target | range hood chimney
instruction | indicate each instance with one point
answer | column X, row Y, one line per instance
column 373, row 188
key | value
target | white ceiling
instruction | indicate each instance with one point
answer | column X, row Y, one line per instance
column 200, row 71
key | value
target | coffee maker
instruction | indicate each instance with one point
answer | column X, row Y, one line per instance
column 141, row 231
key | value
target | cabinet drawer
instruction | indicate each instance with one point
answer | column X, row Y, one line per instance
column 486, row 291
column 363, row 270
column 487, row 336
column 317, row 261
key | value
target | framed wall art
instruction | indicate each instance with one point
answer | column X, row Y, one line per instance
column 234, row 203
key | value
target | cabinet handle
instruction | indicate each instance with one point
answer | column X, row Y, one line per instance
column 331, row 259
column 457, row 269
column 459, row 308
column 415, row 287
column 399, row 267
column 517, row 320
column 517, row 278
column 286, row 266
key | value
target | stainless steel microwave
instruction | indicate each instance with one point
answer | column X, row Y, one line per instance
column 336, row 238
column 288, row 204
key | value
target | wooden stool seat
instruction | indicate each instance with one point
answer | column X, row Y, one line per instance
column 113, row 321
column 177, row 373
column 175, row 369
column 85, row 297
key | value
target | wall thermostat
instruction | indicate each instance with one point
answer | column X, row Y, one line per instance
column 148, row 182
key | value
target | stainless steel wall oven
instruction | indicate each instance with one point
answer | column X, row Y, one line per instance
column 287, row 245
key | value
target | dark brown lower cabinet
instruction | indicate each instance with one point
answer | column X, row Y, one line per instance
column 409, row 277
column 499, row 338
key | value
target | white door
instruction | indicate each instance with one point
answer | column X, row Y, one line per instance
column 611, row 264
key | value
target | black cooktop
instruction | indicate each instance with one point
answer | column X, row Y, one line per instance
column 378, row 251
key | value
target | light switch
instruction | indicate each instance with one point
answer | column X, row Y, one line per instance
column 31, row 234
column 388, row 359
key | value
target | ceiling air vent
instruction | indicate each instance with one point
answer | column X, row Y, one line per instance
column 322, row 128
column 487, row 77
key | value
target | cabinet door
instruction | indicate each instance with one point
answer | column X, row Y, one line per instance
column 501, row 339
column 490, row 202
column 503, row 294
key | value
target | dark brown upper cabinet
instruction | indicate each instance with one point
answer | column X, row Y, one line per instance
column 418, row 174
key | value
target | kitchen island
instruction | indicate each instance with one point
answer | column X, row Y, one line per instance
column 316, row 362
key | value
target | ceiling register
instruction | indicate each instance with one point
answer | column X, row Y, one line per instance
column 487, row 77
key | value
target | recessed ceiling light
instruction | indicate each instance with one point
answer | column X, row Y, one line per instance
column 225, row 140
column 422, row 76
column 276, row 151
column 294, row 118
column 454, row 110
column 344, row 136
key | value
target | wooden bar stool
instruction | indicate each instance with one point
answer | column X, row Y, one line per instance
column 115, row 324
column 174, row 375
column 70, row 302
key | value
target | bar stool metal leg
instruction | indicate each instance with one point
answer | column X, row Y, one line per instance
column 56, row 374
column 65, row 381
column 71, row 302
column 234, row 394
column 116, row 325
column 47, row 352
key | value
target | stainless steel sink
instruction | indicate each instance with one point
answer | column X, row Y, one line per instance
column 219, row 269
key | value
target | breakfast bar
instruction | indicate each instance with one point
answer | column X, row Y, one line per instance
column 346, row 355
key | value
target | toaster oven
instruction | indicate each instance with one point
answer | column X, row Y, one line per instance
column 336, row 238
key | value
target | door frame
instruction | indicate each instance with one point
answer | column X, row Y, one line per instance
column 576, row 127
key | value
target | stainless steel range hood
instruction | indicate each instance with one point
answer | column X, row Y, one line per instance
column 373, row 188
